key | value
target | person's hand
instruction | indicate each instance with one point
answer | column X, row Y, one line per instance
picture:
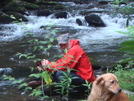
column 44, row 62
column 39, row 68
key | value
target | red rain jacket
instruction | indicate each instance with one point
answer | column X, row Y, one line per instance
column 75, row 58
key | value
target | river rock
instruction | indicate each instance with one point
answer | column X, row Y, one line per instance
column 94, row 20
column 61, row 15
column 18, row 16
column 5, row 19
column 19, row 6
column 34, row 84
column 43, row 13
column 79, row 22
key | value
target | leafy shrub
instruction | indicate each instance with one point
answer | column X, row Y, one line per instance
column 128, row 46
column 126, row 79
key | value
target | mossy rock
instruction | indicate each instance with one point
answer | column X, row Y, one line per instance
column 46, row 3
column 29, row 6
column 19, row 6
column 18, row 16
column 14, row 7
column 4, row 18
column 57, row 7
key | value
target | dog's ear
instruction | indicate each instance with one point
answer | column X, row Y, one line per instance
column 100, row 81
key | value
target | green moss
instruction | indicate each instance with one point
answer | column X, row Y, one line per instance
column 46, row 3
column 59, row 7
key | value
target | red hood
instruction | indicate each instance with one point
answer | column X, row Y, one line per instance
column 74, row 42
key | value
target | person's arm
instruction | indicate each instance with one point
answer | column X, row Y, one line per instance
column 69, row 60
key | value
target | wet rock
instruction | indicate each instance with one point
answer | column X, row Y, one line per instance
column 31, row 1
column 79, row 22
column 94, row 20
column 61, row 15
column 5, row 19
column 59, row 7
column 14, row 7
column 46, row 3
column 43, row 13
column 34, row 84
column 18, row 16
column 19, row 6
column 103, row 2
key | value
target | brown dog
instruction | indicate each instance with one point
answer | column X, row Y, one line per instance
column 106, row 88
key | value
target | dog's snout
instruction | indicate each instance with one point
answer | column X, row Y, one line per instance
column 119, row 90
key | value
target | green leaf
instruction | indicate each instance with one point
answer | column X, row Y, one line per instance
column 47, row 36
column 122, row 32
column 125, row 33
column 42, row 42
column 18, row 53
column 48, row 28
column 22, row 85
column 19, row 81
column 49, row 46
column 65, row 50
column 51, row 39
column 36, row 93
column 130, row 29
column 35, row 75
column 47, row 77
column 30, row 57
column 8, row 77
column 27, row 89
column 12, row 16
column 126, row 49
column 53, row 32
column 15, row 22
column 27, row 33
column 23, row 55
column 127, row 60
column 128, row 43
column 29, row 53
column 35, row 48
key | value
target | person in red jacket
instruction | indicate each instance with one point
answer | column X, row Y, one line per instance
column 74, row 58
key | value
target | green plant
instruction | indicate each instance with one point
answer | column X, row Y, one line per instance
column 65, row 85
column 126, row 79
column 117, row 2
column 88, row 85
column 5, row 77
column 128, row 46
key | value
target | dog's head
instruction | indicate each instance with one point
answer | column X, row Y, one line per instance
column 108, row 82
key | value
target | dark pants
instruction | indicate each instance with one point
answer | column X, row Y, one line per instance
column 78, row 81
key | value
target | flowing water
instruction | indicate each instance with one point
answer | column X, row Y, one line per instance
column 100, row 43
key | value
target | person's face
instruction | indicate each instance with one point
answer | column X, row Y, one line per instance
column 64, row 46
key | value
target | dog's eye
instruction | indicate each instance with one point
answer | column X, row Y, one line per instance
column 112, row 82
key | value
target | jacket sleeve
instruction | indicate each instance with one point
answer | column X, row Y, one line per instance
column 68, row 61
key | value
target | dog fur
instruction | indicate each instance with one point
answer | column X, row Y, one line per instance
column 106, row 88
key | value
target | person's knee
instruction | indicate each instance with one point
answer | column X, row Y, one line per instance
column 59, row 73
column 56, row 76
